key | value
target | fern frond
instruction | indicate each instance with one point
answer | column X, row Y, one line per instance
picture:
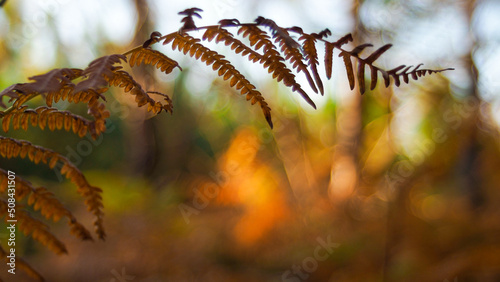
column 329, row 46
column 154, row 58
column 51, row 81
column 323, row 34
column 224, row 68
column 289, row 47
column 124, row 80
column 45, row 201
column 188, row 19
column 22, row 265
column 97, row 72
column 272, row 60
column 11, row 148
column 100, row 114
column 67, row 93
column 92, row 195
column 294, row 56
column 34, row 227
column 223, row 35
column 53, row 118
column 348, row 66
column 311, row 55
column 10, row 92
column 153, row 38
column 396, row 73
column 281, row 34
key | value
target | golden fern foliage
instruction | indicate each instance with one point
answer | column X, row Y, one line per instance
column 273, row 47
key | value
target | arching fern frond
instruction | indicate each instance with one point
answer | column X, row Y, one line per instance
column 37, row 229
column 154, row 58
column 97, row 72
column 223, row 35
column 272, row 60
column 45, row 201
column 12, row 148
column 191, row 45
column 289, row 47
column 124, row 80
column 311, row 55
column 275, row 48
column 52, row 81
column 394, row 73
column 53, row 118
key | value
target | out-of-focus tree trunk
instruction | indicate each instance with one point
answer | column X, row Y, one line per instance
column 468, row 164
column 141, row 132
column 345, row 168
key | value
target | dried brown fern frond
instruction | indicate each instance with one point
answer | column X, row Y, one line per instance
column 67, row 93
column 289, row 47
column 188, row 44
column 45, row 201
column 52, row 81
column 223, row 35
column 34, row 228
column 311, row 55
column 329, row 47
column 98, row 71
column 275, row 48
column 153, row 38
column 124, row 80
column 272, row 60
column 154, row 58
column 368, row 61
column 53, row 118
column 188, row 19
column 12, row 148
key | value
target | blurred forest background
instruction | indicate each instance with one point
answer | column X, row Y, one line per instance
column 402, row 182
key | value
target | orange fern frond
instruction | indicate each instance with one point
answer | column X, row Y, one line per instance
column 11, row 148
column 220, row 34
column 100, row 114
column 97, row 72
column 45, row 201
column 53, row 118
column 272, row 60
column 224, row 68
column 154, row 58
column 67, row 93
column 37, row 229
column 124, row 80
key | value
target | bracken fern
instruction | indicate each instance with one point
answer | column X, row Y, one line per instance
column 269, row 45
